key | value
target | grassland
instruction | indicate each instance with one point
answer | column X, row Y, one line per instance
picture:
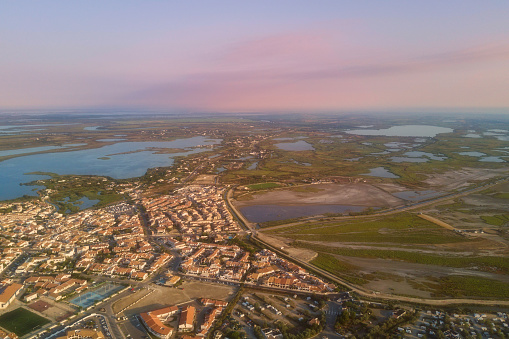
column 401, row 228
column 21, row 321
column 263, row 186
column 332, row 156
column 497, row 220
column 467, row 286
column 69, row 189
column 497, row 264
column 340, row 268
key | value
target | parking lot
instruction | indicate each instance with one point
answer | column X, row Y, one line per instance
column 268, row 309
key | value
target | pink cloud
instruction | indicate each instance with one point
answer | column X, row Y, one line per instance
column 316, row 85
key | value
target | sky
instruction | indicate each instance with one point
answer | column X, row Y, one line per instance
column 254, row 56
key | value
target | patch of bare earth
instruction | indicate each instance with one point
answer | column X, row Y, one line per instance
column 456, row 179
column 402, row 287
column 285, row 244
column 328, row 194
column 57, row 310
column 188, row 291
column 205, row 179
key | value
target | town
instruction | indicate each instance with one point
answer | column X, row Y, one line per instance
column 72, row 262
column 111, row 272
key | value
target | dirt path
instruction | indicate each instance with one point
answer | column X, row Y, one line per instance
column 357, row 246
column 436, row 221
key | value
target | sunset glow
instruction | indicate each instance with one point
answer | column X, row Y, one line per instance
column 259, row 56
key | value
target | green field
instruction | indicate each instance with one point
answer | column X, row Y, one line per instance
column 337, row 267
column 263, row 186
column 497, row 220
column 22, row 321
column 466, row 286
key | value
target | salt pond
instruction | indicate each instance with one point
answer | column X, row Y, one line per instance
column 404, row 131
column 295, row 146
column 253, row 166
column 263, row 213
column 417, row 156
column 416, row 195
column 381, row 172
column 482, row 156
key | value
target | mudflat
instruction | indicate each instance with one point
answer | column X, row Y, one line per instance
column 355, row 194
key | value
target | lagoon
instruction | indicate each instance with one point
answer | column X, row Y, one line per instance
column 381, row 172
column 295, row 146
column 87, row 162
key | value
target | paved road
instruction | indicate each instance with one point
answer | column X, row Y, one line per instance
column 133, row 327
column 332, row 311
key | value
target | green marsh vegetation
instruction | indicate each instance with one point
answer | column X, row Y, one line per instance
column 458, row 286
column 340, row 268
column 400, row 228
column 496, row 220
column 496, row 264
column 67, row 190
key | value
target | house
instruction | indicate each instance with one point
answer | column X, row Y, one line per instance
column 83, row 334
column 172, row 280
column 272, row 333
column 8, row 294
column 187, row 319
column 7, row 335
column 314, row 321
column 139, row 275
column 213, row 302
column 398, row 313
column 154, row 321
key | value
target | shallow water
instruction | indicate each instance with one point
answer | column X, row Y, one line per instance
column 405, row 131
column 121, row 164
column 404, row 159
column 472, row 154
column 416, row 195
column 253, row 166
column 295, row 146
column 381, row 172
column 263, row 213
